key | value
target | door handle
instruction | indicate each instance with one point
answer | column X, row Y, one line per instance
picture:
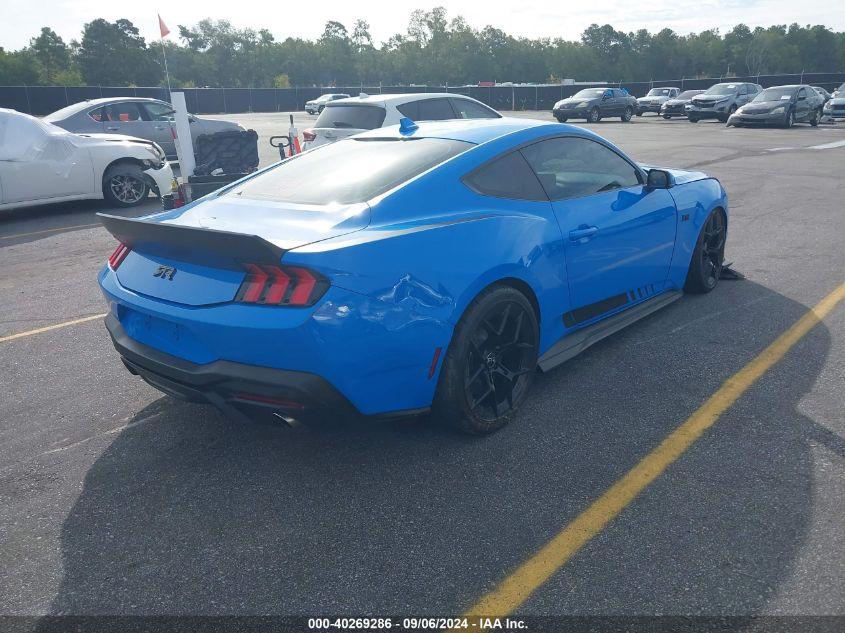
column 583, row 232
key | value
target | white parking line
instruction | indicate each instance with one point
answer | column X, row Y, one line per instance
column 828, row 145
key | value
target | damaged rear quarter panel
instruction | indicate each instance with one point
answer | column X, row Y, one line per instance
column 415, row 276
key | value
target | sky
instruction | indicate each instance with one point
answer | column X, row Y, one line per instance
column 529, row 18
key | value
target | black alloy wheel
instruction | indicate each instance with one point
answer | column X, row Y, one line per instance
column 593, row 116
column 628, row 114
column 709, row 256
column 491, row 362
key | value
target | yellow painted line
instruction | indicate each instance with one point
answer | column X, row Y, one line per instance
column 12, row 337
column 514, row 590
column 61, row 228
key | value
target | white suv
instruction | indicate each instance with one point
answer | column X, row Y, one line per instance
column 346, row 117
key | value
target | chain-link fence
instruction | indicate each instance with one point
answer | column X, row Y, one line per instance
column 40, row 100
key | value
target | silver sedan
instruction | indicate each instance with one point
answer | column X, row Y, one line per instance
column 142, row 118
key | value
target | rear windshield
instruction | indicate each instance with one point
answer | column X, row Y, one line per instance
column 357, row 117
column 349, row 171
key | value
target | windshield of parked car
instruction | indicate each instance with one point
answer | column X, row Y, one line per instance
column 688, row 94
column 658, row 92
column 589, row 93
column 357, row 117
column 775, row 94
column 349, row 171
column 721, row 89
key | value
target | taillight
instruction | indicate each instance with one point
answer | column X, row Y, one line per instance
column 119, row 254
column 281, row 286
column 309, row 134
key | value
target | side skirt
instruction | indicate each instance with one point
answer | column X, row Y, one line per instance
column 575, row 343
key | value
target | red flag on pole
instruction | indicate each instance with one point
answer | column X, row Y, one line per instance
column 162, row 27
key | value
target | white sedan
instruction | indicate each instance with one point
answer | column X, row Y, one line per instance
column 42, row 163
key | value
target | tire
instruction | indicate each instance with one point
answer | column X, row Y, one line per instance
column 561, row 119
column 667, row 116
column 124, row 185
column 692, row 119
column 629, row 112
column 708, row 256
column 593, row 116
column 490, row 364
column 815, row 118
column 724, row 118
column 790, row 119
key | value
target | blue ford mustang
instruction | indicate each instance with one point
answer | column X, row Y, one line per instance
column 432, row 266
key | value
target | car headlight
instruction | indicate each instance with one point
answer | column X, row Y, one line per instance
column 158, row 157
column 583, row 104
column 778, row 110
column 558, row 104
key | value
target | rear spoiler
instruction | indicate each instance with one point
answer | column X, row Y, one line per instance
column 174, row 240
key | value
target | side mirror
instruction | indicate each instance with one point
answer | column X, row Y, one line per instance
column 658, row 179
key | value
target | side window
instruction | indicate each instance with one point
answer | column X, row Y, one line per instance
column 574, row 167
column 99, row 115
column 802, row 94
column 743, row 90
column 507, row 177
column 467, row 109
column 410, row 110
column 435, row 110
column 125, row 112
column 159, row 111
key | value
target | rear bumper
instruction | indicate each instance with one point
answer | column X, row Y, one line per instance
column 350, row 349
column 225, row 383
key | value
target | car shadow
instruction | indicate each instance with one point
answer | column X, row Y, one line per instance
column 20, row 226
column 187, row 512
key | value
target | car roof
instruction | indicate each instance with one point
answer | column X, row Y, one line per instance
column 93, row 103
column 398, row 98
column 475, row 131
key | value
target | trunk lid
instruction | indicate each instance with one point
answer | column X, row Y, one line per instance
column 197, row 255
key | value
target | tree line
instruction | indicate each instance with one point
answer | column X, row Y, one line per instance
column 433, row 50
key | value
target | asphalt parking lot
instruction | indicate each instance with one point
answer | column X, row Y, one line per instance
column 115, row 499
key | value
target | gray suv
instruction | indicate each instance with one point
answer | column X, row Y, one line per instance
column 721, row 101
column 595, row 104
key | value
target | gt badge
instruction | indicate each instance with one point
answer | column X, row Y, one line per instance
column 165, row 272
